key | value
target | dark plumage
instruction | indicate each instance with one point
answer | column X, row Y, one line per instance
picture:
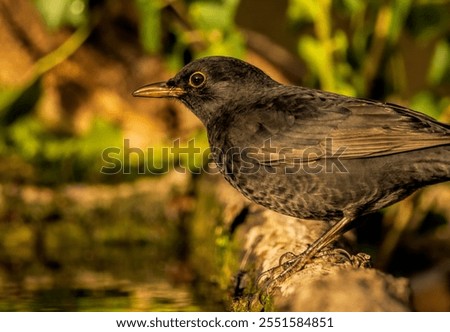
column 308, row 153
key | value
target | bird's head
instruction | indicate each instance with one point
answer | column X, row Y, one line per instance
column 207, row 85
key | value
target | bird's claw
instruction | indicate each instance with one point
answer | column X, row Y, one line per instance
column 289, row 263
column 267, row 281
column 286, row 258
column 342, row 256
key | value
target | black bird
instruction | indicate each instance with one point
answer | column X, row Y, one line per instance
column 308, row 153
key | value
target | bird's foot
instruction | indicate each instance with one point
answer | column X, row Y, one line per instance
column 290, row 263
column 341, row 256
column 287, row 259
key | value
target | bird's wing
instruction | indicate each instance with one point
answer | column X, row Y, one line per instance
column 310, row 128
column 377, row 129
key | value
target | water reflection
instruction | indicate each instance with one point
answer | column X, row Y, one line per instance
column 106, row 278
column 125, row 247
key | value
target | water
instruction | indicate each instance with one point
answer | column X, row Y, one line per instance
column 107, row 278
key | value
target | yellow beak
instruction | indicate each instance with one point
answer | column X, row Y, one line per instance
column 158, row 90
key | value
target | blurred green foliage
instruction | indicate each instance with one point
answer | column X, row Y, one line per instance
column 150, row 24
column 356, row 43
column 60, row 155
column 214, row 22
column 206, row 27
column 58, row 13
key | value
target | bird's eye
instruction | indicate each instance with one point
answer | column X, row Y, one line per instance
column 197, row 79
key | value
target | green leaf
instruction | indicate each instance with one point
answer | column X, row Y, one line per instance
column 211, row 15
column 425, row 102
column 8, row 94
column 302, row 10
column 400, row 11
column 25, row 136
column 354, row 6
column 57, row 13
column 231, row 44
column 150, row 24
column 214, row 21
column 440, row 63
column 312, row 53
